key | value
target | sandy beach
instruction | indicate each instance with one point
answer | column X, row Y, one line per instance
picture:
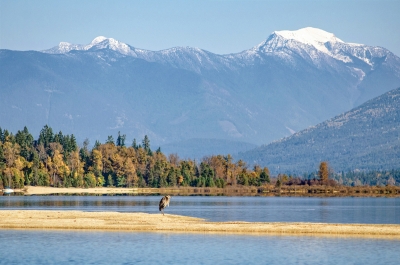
column 40, row 190
column 112, row 221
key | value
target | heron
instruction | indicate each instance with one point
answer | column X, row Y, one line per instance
column 164, row 203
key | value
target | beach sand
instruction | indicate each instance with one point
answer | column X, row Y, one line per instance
column 40, row 190
column 115, row 221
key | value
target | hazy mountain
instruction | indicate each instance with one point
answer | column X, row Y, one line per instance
column 290, row 81
column 367, row 137
column 198, row 148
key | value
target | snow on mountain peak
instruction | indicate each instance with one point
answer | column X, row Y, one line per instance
column 311, row 36
column 98, row 40
column 102, row 42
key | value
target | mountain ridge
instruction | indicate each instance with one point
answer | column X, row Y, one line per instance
column 364, row 138
column 267, row 92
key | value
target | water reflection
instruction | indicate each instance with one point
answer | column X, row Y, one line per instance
column 256, row 209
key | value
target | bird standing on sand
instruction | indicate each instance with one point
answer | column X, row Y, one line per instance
column 164, row 203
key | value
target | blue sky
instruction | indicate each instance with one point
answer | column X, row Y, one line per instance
column 224, row 26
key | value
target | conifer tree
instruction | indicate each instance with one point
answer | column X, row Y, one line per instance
column 146, row 143
column 110, row 140
column 134, row 144
column 46, row 136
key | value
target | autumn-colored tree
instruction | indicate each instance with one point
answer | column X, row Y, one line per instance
column 54, row 159
column 58, row 168
column 76, row 168
column 173, row 159
column 97, row 164
column 323, row 172
column 130, row 173
column 12, row 163
column 180, row 180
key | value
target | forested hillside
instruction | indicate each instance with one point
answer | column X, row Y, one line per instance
column 365, row 138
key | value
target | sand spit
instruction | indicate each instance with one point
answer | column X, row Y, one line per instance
column 40, row 190
column 78, row 220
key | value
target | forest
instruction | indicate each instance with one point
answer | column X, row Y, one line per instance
column 55, row 159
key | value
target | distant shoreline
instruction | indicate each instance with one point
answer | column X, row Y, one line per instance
column 304, row 191
column 115, row 221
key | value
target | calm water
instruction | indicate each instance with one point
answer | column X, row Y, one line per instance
column 55, row 247
column 252, row 209
column 71, row 247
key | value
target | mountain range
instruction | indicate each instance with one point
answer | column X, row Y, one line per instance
column 364, row 138
column 290, row 81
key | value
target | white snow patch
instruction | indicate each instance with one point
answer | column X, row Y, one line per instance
column 359, row 73
column 311, row 36
column 290, row 130
column 98, row 40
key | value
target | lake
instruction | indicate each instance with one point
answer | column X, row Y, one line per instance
column 98, row 247
column 221, row 208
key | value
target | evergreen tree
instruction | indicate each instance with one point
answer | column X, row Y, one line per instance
column 46, row 136
column 171, row 178
column 278, row 183
column 84, row 153
column 264, row 176
column 72, row 143
column 146, row 143
column 59, row 138
column 110, row 140
column 25, row 141
column 134, row 145
column 2, row 158
column 121, row 139
column 1, row 135
column 96, row 144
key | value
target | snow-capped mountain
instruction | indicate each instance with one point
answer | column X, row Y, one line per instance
column 188, row 58
column 292, row 80
column 97, row 43
column 313, row 45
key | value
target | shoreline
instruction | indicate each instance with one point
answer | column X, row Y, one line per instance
column 144, row 222
column 228, row 191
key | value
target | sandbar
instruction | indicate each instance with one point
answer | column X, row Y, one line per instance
column 42, row 190
column 121, row 221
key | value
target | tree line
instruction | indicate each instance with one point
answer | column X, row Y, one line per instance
column 55, row 159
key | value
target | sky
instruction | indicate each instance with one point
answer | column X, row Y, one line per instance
column 219, row 26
